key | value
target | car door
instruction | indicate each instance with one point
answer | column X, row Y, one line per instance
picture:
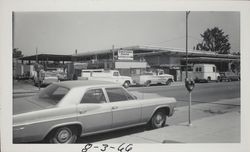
column 126, row 110
column 94, row 111
column 116, row 77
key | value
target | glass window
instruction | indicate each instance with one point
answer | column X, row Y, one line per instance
column 116, row 74
column 213, row 69
column 53, row 94
column 94, row 96
column 118, row 94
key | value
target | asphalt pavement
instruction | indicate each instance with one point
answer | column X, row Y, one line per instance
column 217, row 122
column 215, row 115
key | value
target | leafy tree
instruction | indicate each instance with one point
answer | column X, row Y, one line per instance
column 214, row 40
column 235, row 53
column 17, row 53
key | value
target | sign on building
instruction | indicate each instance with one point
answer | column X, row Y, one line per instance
column 125, row 55
column 80, row 66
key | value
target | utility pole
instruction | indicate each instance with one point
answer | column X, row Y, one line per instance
column 189, row 83
column 113, row 56
column 113, row 53
column 187, row 13
column 36, row 56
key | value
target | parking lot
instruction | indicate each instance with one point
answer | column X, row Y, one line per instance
column 208, row 100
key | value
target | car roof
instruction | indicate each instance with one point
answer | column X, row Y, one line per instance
column 83, row 83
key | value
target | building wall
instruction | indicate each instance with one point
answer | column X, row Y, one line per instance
column 163, row 59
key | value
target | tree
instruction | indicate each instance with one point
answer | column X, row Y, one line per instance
column 214, row 40
column 17, row 53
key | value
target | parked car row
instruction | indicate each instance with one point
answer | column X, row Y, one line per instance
column 145, row 79
column 229, row 76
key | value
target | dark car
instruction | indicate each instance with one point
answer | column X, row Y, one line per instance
column 229, row 76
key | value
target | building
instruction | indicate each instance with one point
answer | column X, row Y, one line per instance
column 134, row 59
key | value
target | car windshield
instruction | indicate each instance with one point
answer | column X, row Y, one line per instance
column 52, row 94
column 50, row 74
column 148, row 74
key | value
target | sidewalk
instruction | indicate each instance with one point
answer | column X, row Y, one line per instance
column 211, row 123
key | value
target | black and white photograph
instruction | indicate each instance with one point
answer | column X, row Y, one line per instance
column 84, row 73
column 112, row 80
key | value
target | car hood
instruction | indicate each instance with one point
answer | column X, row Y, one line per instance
column 24, row 105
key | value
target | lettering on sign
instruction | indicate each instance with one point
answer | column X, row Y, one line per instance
column 125, row 55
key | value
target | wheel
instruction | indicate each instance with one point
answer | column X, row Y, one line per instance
column 158, row 119
column 208, row 79
column 147, row 84
column 35, row 84
column 63, row 135
column 126, row 84
column 169, row 82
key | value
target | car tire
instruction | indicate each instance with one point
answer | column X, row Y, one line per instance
column 147, row 84
column 63, row 135
column 169, row 82
column 158, row 120
column 35, row 84
column 126, row 84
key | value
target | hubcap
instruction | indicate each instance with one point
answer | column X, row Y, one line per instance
column 64, row 136
column 158, row 119
column 126, row 85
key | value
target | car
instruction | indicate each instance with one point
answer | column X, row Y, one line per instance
column 229, row 76
column 64, row 111
column 149, row 78
column 45, row 78
column 106, row 75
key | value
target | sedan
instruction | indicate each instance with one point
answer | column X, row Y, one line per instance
column 65, row 111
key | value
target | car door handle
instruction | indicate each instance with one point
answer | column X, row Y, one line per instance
column 82, row 111
column 114, row 107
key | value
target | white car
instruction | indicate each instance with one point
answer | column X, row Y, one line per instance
column 107, row 75
column 150, row 78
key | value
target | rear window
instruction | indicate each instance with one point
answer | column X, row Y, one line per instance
column 50, row 74
column 52, row 94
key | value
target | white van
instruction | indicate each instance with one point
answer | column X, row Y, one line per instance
column 205, row 73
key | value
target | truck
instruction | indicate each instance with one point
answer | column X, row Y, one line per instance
column 149, row 78
column 205, row 73
column 23, row 71
column 106, row 75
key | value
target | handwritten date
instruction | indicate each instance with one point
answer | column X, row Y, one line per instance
column 105, row 147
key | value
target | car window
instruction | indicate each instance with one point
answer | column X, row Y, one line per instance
column 200, row 69
column 213, row 69
column 118, row 94
column 53, row 94
column 93, row 96
column 116, row 74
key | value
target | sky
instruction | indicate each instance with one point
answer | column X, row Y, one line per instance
column 64, row 32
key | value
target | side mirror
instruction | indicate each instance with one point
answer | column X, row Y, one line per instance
column 190, row 84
